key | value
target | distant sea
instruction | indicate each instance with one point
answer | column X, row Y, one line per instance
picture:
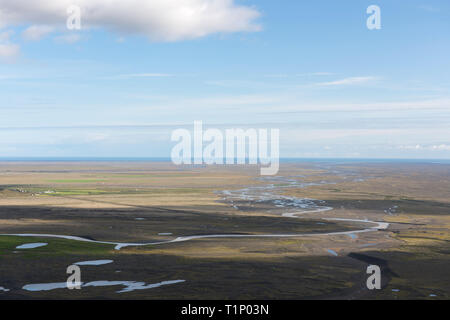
column 165, row 159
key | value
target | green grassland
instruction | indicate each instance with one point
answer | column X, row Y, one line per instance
column 55, row 247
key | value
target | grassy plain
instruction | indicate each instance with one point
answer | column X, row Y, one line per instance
column 150, row 202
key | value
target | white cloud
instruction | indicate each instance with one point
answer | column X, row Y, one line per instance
column 159, row 20
column 315, row 74
column 437, row 147
column 4, row 36
column 68, row 38
column 309, row 74
column 412, row 147
column 145, row 75
column 347, row 81
column 441, row 147
column 36, row 32
column 138, row 76
column 8, row 50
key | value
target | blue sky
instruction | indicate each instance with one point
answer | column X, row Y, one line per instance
column 131, row 75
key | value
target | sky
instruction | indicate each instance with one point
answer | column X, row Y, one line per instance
column 139, row 69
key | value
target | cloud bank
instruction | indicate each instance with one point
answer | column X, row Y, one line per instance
column 348, row 81
column 159, row 20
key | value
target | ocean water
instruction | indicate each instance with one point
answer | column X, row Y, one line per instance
column 167, row 159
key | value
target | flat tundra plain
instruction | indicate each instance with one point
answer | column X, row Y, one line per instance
column 149, row 230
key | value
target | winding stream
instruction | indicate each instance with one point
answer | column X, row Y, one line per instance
column 265, row 196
